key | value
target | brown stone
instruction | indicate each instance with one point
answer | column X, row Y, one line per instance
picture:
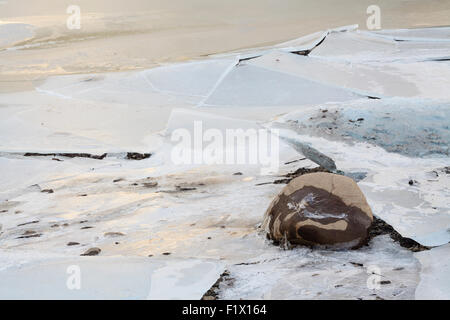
column 322, row 209
column 92, row 252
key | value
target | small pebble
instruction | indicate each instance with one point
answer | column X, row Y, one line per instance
column 92, row 252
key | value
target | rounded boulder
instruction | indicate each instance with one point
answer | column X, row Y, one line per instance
column 319, row 209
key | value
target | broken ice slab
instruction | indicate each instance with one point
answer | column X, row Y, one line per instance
column 223, row 140
column 186, row 118
column 196, row 78
column 435, row 274
column 370, row 47
column 367, row 79
column 35, row 122
column 417, row 34
column 418, row 128
column 129, row 88
column 247, row 85
column 67, row 278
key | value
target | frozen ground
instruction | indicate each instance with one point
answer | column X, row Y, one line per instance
column 169, row 231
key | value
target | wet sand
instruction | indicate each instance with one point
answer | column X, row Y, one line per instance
column 136, row 34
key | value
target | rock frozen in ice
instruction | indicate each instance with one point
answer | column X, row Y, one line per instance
column 322, row 209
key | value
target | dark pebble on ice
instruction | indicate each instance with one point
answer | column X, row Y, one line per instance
column 37, row 235
column 73, row 243
column 29, row 234
column 138, row 156
column 87, row 227
column 237, row 174
column 114, row 234
column 166, row 253
column 150, row 184
column 384, row 282
column 179, row 188
column 92, row 252
column 357, row 264
column 47, row 191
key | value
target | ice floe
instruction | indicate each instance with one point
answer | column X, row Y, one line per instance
column 434, row 275
column 32, row 276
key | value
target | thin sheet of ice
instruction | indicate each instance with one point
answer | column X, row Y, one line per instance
column 414, row 79
column 417, row 34
column 358, row 47
column 435, row 274
column 52, row 277
column 34, row 122
column 415, row 128
column 247, row 85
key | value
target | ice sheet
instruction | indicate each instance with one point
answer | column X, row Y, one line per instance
column 247, row 85
column 193, row 216
column 413, row 79
column 358, row 47
column 44, row 277
column 435, row 274
column 310, row 274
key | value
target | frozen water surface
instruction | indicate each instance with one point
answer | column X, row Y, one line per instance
column 373, row 104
